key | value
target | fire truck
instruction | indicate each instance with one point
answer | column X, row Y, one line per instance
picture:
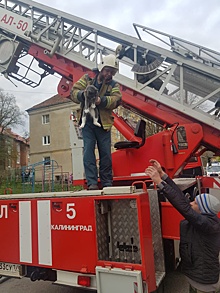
column 120, row 238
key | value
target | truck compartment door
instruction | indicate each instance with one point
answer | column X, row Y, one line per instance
column 117, row 280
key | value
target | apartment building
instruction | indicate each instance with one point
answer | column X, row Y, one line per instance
column 50, row 136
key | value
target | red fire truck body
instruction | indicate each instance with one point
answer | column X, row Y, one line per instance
column 76, row 232
column 112, row 239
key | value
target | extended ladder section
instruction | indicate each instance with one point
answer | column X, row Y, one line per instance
column 180, row 83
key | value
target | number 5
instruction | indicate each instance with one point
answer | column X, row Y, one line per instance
column 19, row 24
column 70, row 209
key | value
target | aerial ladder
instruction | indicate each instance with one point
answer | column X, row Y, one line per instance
column 177, row 87
column 70, row 46
column 80, row 44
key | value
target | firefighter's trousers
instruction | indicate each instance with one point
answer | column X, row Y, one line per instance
column 91, row 135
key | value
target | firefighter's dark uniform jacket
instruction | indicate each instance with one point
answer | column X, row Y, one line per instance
column 109, row 93
column 199, row 237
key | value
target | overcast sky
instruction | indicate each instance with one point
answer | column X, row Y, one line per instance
column 197, row 21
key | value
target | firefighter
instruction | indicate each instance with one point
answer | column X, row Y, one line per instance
column 199, row 232
column 109, row 98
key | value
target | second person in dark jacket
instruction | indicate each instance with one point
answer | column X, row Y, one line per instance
column 199, row 232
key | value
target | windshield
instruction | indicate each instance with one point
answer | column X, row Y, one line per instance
column 214, row 169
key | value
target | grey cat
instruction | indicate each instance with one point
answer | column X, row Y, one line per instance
column 91, row 94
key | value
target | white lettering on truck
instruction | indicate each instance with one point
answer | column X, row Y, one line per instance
column 13, row 22
column 80, row 228
column 4, row 211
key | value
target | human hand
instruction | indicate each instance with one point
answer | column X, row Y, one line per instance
column 98, row 101
column 153, row 173
column 157, row 166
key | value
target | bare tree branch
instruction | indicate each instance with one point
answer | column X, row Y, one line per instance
column 10, row 114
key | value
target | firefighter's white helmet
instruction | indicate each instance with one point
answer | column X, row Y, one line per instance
column 108, row 61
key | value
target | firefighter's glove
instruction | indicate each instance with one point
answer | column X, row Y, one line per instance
column 81, row 97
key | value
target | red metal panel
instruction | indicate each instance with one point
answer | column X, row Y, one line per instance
column 128, row 161
column 9, row 227
column 170, row 219
column 210, row 182
column 74, row 250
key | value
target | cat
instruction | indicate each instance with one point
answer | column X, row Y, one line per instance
column 91, row 94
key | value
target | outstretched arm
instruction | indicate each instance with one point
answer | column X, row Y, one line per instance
column 158, row 167
column 177, row 198
column 163, row 175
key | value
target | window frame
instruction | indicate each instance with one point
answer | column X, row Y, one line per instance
column 46, row 140
column 47, row 159
column 45, row 120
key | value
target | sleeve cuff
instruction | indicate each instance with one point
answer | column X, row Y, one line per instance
column 161, row 185
column 103, row 102
column 80, row 96
column 164, row 177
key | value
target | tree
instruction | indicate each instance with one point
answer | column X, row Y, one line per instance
column 10, row 114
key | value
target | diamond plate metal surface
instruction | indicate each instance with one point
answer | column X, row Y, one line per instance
column 124, row 221
column 156, row 231
column 102, row 234
column 123, row 226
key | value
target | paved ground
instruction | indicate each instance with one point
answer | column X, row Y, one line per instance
column 173, row 283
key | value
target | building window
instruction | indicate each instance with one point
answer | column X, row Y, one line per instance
column 46, row 139
column 46, row 161
column 45, row 119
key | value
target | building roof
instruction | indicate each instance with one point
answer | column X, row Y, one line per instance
column 15, row 136
column 55, row 100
